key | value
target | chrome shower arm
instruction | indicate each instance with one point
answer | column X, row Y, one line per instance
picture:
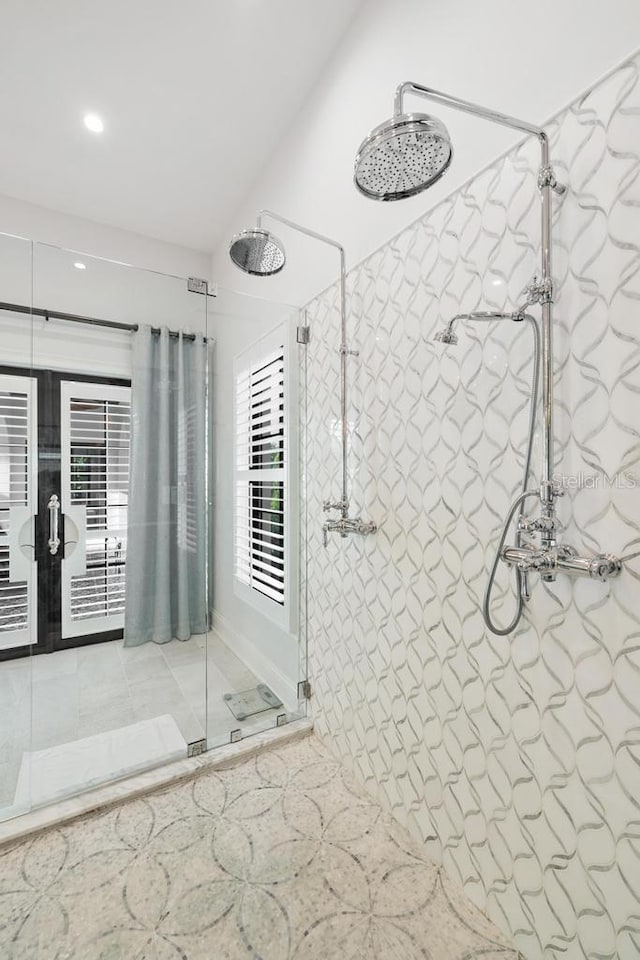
column 465, row 106
column 494, row 116
column 300, row 229
column 332, row 243
column 490, row 315
column 449, row 336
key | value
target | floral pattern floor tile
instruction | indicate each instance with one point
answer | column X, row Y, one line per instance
column 281, row 857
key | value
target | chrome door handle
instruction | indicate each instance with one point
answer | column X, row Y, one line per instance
column 54, row 515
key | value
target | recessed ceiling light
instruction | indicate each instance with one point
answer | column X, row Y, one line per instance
column 79, row 265
column 93, row 122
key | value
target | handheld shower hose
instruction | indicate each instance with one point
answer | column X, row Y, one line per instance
column 517, row 505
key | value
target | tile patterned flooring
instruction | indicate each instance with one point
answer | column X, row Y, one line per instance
column 281, row 857
column 88, row 690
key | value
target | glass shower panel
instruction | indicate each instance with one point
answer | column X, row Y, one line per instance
column 256, row 648
column 120, row 356
column 160, row 591
column 304, row 688
column 18, row 507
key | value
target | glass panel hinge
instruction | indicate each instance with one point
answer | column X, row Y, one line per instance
column 198, row 285
column 303, row 334
column 196, row 747
column 304, row 690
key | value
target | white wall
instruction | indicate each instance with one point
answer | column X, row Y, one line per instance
column 522, row 58
column 75, row 233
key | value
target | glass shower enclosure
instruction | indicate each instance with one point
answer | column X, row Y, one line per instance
column 150, row 499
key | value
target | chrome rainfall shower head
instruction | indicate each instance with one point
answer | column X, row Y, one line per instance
column 402, row 157
column 257, row 252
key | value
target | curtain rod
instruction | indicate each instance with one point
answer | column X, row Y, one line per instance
column 77, row 318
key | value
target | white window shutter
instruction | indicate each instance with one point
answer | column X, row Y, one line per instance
column 260, row 495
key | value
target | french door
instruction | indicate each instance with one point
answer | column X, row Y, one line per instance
column 64, row 484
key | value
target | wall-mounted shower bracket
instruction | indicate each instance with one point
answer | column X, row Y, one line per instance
column 203, row 287
column 537, row 291
column 342, row 506
column 547, row 178
column 543, row 524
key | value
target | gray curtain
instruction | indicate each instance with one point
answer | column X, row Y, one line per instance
column 167, row 537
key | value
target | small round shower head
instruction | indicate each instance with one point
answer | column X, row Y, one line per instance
column 257, row 252
column 402, row 157
column 447, row 336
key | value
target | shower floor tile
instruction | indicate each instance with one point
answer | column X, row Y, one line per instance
column 104, row 687
column 281, row 857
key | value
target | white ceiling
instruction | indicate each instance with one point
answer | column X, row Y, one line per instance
column 195, row 96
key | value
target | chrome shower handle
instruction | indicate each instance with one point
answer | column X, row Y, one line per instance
column 340, row 505
column 53, row 507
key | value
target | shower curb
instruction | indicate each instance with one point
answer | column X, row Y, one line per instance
column 111, row 795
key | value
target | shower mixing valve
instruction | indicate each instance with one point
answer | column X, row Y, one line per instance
column 346, row 525
column 604, row 566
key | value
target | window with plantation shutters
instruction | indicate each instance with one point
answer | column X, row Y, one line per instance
column 261, row 489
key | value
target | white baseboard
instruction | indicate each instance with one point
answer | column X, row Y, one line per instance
column 253, row 658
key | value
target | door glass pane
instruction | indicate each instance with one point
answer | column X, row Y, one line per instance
column 18, row 504
column 96, row 434
column 16, row 495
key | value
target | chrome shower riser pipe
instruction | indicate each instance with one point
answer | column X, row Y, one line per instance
column 343, row 504
column 343, row 524
column 547, row 492
column 542, row 290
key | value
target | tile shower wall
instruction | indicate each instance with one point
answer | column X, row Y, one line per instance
column 516, row 760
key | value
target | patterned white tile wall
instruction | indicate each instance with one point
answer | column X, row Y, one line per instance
column 516, row 760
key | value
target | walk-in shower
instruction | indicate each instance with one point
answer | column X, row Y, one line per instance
column 404, row 156
column 259, row 253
